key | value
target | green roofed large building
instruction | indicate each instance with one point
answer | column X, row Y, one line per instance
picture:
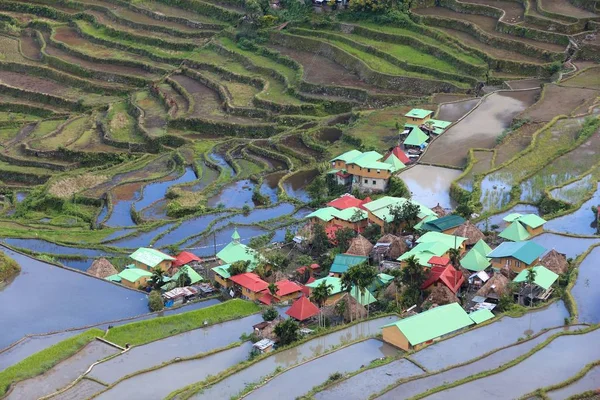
column 148, row 259
column 418, row 116
column 516, row 255
column 342, row 262
column 419, row 330
column 380, row 209
column 530, row 223
column 337, row 292
column 236, row 251
column 134, row 277
column 475, row 261
column 446, row 224
column 515, row 232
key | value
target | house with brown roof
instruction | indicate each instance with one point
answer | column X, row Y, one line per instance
column 360, row 246
column 555, row 262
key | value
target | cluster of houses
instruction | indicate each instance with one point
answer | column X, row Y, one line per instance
column 420, row 128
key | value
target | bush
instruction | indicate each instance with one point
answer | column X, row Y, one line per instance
column 270, row 314
column 155, row 301
column 287, row 331
column 8, row 267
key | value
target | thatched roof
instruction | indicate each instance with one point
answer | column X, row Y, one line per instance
column 497, row 285
column 439, row 210
column 471, row 232
column 360, row 246
column 102, row 268
column 466, row 274
column 555, row 262
column 396, row 248
column 352, row 306
column 390, row 291
column 441, row 295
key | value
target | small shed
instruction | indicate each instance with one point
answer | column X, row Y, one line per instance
column 555, row 262
column 388, row 247
column 102, row 268
column 439, row 210
column 360, row 246
column 302, row 309
column 264, row 345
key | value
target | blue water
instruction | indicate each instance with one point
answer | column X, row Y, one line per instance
column 141, row 240
column 42, row 246
column 103, row 214
column 44, row 298
column 234, row 195
column 205, row 246
column 188, row 228
column 121, row 213
column 157, row 190
column 222, row 162
column 117, row 234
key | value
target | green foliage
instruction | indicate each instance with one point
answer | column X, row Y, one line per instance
column 554, row 67
column 464, row 210
column 8, row 267
column 320, row 242
column 238, row 267
column 372, row 232
column 343, row 237
column 548, row 205
column 336, row 376
column 155, row 301
column 42, row 361
column 590, row 125
column 321, row 293
column 258, row 242
column 404, row 216
column 137, row 333
column 397, row 188
column 287, row 331
column 270, row 314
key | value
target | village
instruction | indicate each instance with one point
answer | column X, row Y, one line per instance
column 382, row 253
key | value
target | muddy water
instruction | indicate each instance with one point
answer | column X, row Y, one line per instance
column 585, row 290
column 507, row 330
column 480, row 128
column 188, row 228
column 89, row 301
column 269, row 187
column 495, row 191
column 234, row 195
column 571, row 246
column 497, row 219
column 84, row 389
column 287, row 385
column 330, row 134
column 454, row 111
column 371, row 381
column 295, row 185
column 574, row 192
column 591, row 381
column 271, row 162
column 222, row 162
column 63, row 373
column 141, row 240
column 157, row 190
column 176, row 375
column 41, row 246
column 579, row 222
column 431, row 185
column 541, row 369
column 182, row 345
column 235, row 383
column 495, row 360
column 205, row 246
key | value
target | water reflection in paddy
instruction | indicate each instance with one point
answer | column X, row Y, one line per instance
column 497, row 219
column 453, row 111
column 157, row 190
column 222, row 162
column 590, row 381
column 295, row 185
column 141, row 240
column 42, row 246
column 188, row 228
column 269, row 187
column 234, row 195
column 570, row 246
column 431, row 185
column 585, row 291
column 213, row 243
column 574, row 192
column 579, row 222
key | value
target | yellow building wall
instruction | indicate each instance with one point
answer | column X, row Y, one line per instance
column 143, row 281
column 368, row 173
column 514, row 264
column 291, row 296
column 222, row 281
column 535, row 231
column 417, row 121
column 339, row 164
column 164, row 266
column 250, row 294
column 393, row 336
column 347, row 224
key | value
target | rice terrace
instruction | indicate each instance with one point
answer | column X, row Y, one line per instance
column 299, row 199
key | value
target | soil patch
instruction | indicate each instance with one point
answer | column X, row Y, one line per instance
column 514, row 12
column 67, row 187
column 295, row 143
column 330, row 134
column 322, row 71
column 526, row 84
column 516, row 142
column 566, row 8
column 453, row 111
column 590, row 79
column 180, row 101
column 487, row 24
column 557, row 100
column 34, row 84
column 480, row 128
column 30, row 47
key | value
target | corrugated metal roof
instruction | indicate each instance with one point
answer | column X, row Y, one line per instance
column 150, row 257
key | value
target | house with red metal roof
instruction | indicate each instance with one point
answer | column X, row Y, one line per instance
column 443, row 273
column 302, row 309
column 249, row 284
column 347, row 201
column 399, row 153
column 286, row 290
column 185, row 258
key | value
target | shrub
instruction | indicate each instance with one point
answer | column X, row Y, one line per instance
column 8, row 267
column 287, row 331
column 155, row 301
column 270, row 314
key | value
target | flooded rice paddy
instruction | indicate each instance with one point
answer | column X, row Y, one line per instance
column 492, row 361
column 157, row 190
column 501, row 333
column 222, row 163
column 585, row 290
column 295, row 185
column 42, row 246
column 570, row 246
column 234, row 384
column 371, row 381
column 349, row 359
column 183, row 345
column 214, row 242
column 84, row 389
column 580, row 222
column 30, row 346
column 591, row 381
column 574, row 192
column 454, row 111
column 495, row 191
column 70, row 298
column 541, row 369
column 142, row 239
column 63, row 373
column 234, row 195
column 431, row 185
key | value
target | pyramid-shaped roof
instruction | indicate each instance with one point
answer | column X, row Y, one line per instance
column 475, row 261
column 302, row 309
column 515, row 232
column 400, row 155
column 416, row 137
column 482, row 248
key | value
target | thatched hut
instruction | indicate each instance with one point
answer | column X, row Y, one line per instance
column 351, row 305
column 101, row 268
column 471, row 232
column 388, row 247
column 441, row 295
column 439, row 210
column 360, row 246
column 495, row 287
column 555, row 262
column 391, row 291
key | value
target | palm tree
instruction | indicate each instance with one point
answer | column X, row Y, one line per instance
column 531, row 274
column 272, row 289
column 157, row 278
column 348, row 282
column 320, row 294
column 365, row 275
column 397, row 274
column 454, row 257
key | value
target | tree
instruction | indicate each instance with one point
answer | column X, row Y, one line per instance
column 348, row 282
column 404, row 216
column 412, row 277
column 184, row 279
column 277, row 260
column 157, row 278
column 272, row 289
column 320, row 294
column 464, row 210
column 365, row 274
column 238, row 267
column 454, row 257
column 155, row 301
column 270, row 314
column 531, row 274
column 320, row 242
column 372, row 232
column 317, row 189
column 343, row 237
column 397, row 274
column 397, row 188
column 286, row 331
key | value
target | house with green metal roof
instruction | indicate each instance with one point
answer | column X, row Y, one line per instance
column 452, row 241
column 149, row 259
column 418, row 116
column 475, row 261
column 416, row 138
column 515, row 232
column 446, row 224
column 351, row 217
column 428, row 218
column 237, row 251
column 380, row 210
column 424, row 251
column 337, row 291
column 342, row 262
column 419, row 330
column 436, row 126
column 135, row 277
column 531, row 223
column 190, row 272
column 544, row 278
column 482, row 247
column 324, row 214
column 481, row 315
column 516, row 255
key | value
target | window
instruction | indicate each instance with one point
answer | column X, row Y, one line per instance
column 368, row 169
column 374, row 182
column 378, row 171
column 366, row 181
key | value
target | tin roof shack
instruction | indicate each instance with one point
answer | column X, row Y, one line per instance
column 446, row 224
column 264, row 345
column 415, row 332
column 134, row 277
column 149, row 259
column 179, row 295
column 540, row 290
column 342, row 262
